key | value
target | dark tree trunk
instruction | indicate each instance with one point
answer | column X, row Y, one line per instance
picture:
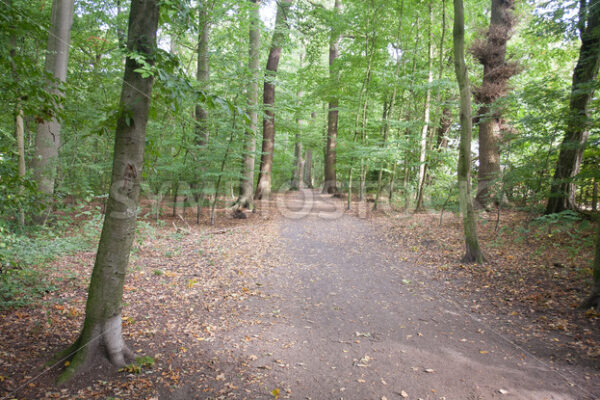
column 473, row 252
column 594, row 299
column 595, row 196
column 263, row 186
column 491, row 53
column 247, row 183
column 562, row 191
column 330, row 184
column 101, row 333
column 444, row 128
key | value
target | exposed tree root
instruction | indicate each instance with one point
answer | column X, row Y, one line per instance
column 593, row 301
column 99, row 340
column 473, row 257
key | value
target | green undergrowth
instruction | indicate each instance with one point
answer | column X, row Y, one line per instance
column 25, row 257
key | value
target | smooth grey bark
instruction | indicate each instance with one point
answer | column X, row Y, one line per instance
column 330, row 184
column 18, row 120
column 47, row 140
column 425, row 130
column 385, row 128
column 298, row 174
column 246, row 195
column 263, row 186
column 308, row 177
column 473, row 251
column 101, row 332
column 585, row 74
column 202, row 133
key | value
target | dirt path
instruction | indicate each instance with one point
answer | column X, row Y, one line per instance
column 300, row 301
column 343, row 318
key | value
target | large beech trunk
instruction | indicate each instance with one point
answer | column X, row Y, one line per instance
column 298, row 175
column 473, row 252
column 47, row 140
column 496, row 73
column 330, row 184
column 18, row 118
column 425, row 130
column 562, row 192
column 247, row 183
column 263, row 186
column 308, row 177
column 201, row 114
column 101, row 334
column 297, row 182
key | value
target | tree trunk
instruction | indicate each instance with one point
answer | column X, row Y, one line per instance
column 562, row 191
column 298, row 177
column 308, row 178
column 391, row 189
column 201, row 114
column 47, row 140
column 330, row 184
column 247, row 183
column 298, row 174
column 175, row 193
column 444, row 128
column 263, row 186
column 18, row 120
column 496, row 73
column 595, row 196
column 363, row 180
column 473, row 252
column 594, row 299
column 423, row 152
column 101, row 333
column 385, row 129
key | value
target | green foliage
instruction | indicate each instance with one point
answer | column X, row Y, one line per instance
column 23, row 258
column 145, row 362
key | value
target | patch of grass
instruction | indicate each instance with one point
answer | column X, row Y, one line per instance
column 22, row 257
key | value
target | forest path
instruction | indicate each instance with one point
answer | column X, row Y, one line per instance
column 344, row 318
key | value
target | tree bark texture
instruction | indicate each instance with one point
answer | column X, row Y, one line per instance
column 202, row 133
column 594, row 299
column 491, row 53
column 330, row 184
column 18, row 120
column 263, row 186
column 47, row 140
column 308, row 177
column 473, row 251
column 562, row 191
column 247, row 183
column 423, row 143
column 444, row 127
column 101, row 333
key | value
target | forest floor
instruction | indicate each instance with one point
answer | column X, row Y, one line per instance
column 312, row 302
